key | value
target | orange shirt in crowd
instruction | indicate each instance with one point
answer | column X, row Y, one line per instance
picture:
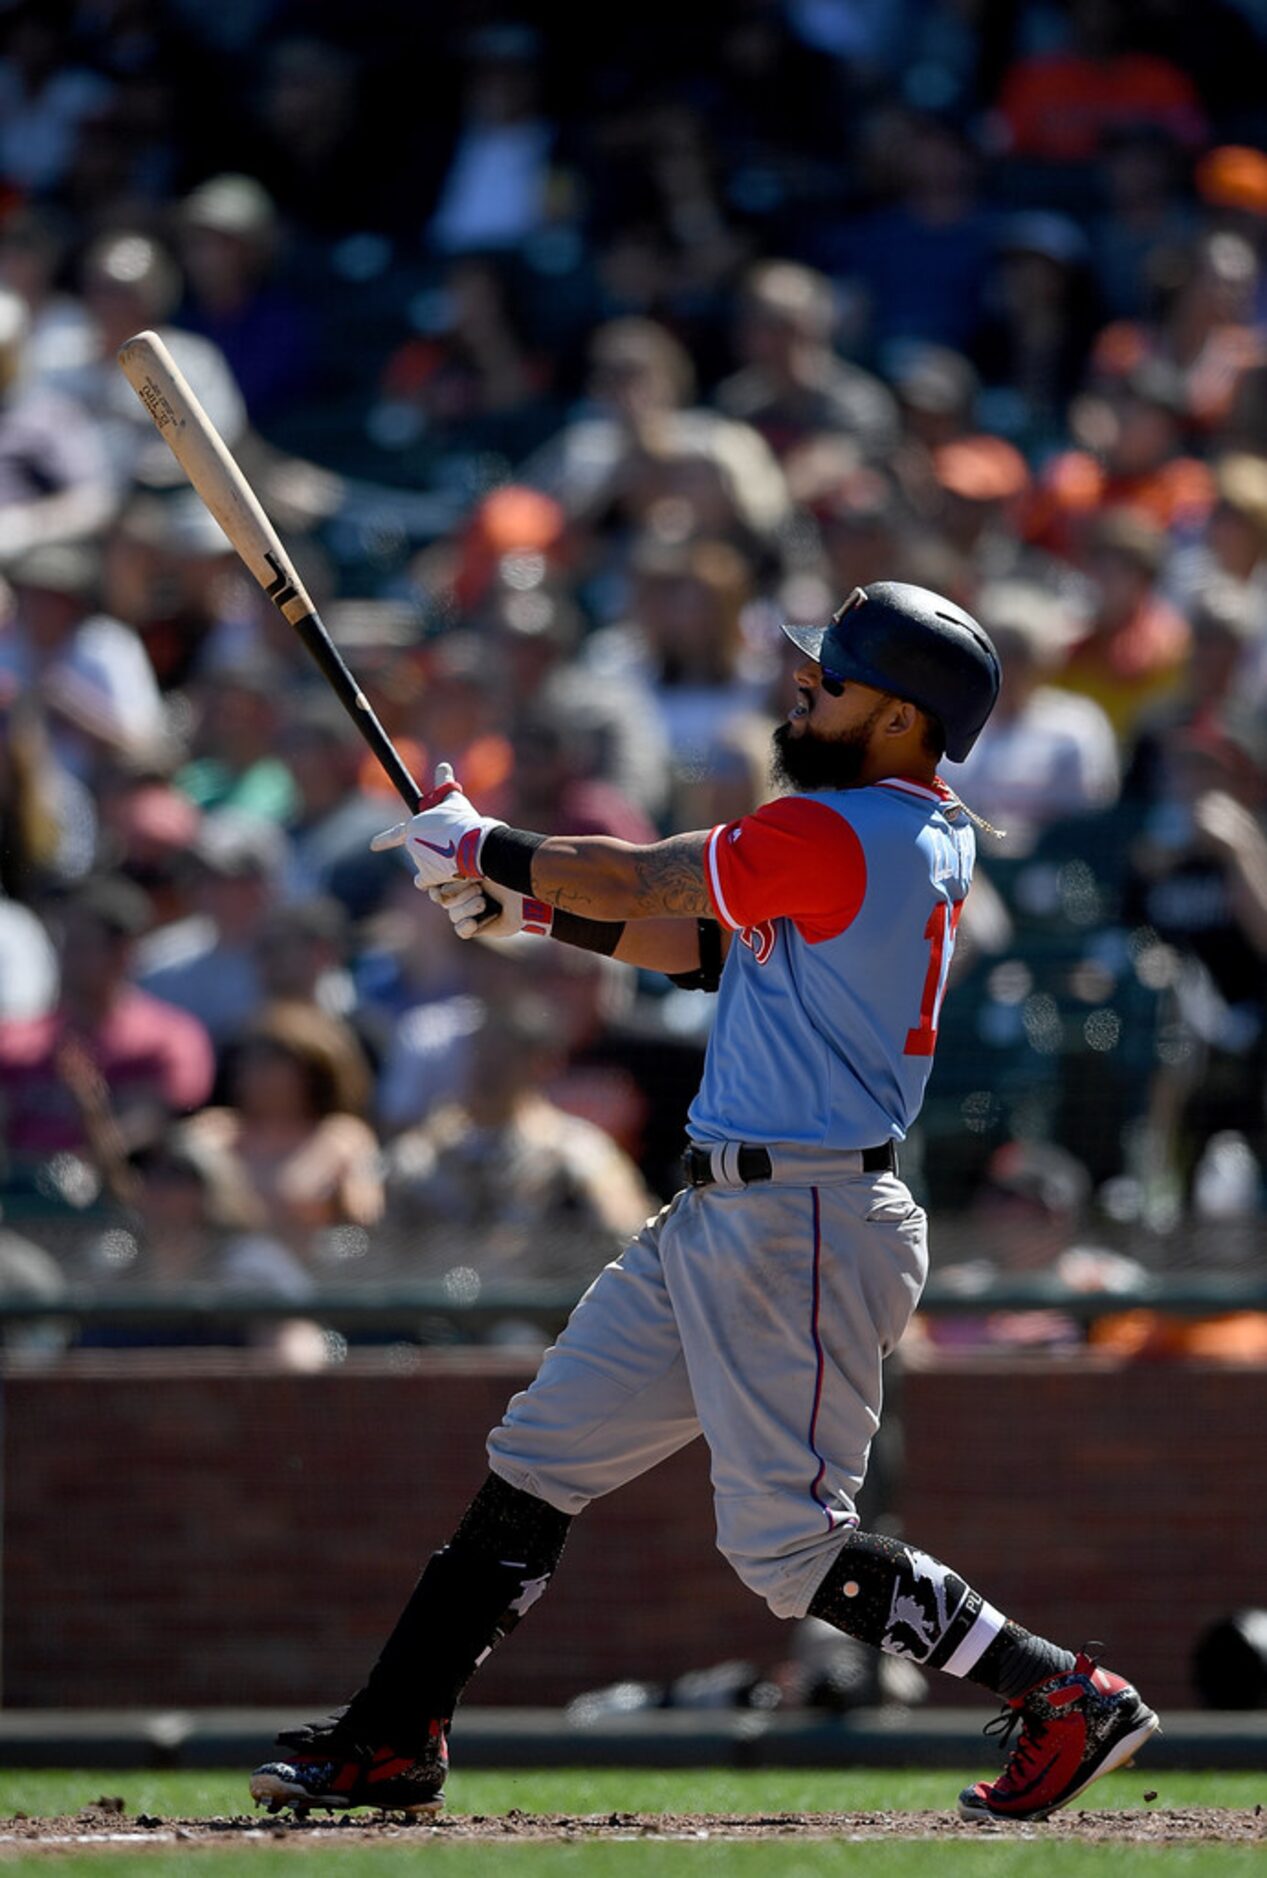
column 1075, row 487
column 1060, row 107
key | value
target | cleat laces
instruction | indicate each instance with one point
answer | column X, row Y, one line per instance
column 1022, row 1758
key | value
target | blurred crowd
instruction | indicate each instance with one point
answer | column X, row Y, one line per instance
column 570, row 357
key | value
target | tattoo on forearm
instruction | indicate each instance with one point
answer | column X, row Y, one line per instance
column 670, row 877
column 571, row 899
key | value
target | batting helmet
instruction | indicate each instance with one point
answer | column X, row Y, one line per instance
column 912, row 644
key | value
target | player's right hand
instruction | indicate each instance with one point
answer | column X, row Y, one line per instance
column 444, row 838
column 480, row 909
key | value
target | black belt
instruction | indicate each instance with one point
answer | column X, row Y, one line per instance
column 752, row 1163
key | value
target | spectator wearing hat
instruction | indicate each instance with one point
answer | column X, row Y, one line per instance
column 55, row 476
column 1046, row 754
column 979, row 483
column 791, row 384
column 236, row 298
column 89, row 671
column 151, row 1061
column 206, row 963
column 1135, row 650
column 129, row 281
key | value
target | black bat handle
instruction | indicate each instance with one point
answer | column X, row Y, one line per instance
column 316, row 637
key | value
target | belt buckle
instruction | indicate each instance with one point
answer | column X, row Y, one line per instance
column 697, row 1165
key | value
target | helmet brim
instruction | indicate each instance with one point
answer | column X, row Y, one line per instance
column 807, row 639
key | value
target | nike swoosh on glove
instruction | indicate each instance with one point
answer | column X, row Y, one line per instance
column 443, row 840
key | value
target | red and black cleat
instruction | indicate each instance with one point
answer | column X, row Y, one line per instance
column 327, row 1767
column 1074, row 1727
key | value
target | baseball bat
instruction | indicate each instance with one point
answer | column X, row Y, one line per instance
column 203, row 455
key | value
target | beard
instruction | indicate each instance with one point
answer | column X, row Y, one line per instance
column 812, row 762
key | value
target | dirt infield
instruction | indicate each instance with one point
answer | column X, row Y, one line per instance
column 108, row 1825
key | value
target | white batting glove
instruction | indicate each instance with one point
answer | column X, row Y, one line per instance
column 443, row 840
column 481, row 909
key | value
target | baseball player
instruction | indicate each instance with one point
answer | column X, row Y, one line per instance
column 758, row 1307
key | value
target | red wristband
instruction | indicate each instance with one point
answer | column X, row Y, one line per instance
column 538, row 918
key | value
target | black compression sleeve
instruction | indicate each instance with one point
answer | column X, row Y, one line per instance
column 506, row 857
column 591, row 935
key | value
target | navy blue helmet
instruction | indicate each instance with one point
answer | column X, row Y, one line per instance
column 912, row 644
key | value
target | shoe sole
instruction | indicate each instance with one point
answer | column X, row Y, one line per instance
column 276, row 1792
column 1118, row 1755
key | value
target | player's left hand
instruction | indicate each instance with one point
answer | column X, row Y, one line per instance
column 443, row 840
column 479, row 909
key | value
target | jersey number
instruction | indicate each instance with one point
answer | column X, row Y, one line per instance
column 943, row 922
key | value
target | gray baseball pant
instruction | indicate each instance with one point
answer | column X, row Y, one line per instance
column 758, row 1316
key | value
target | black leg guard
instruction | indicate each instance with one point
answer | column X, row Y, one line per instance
column 898, row 1599
column 908, row 1604
column 471, row 1594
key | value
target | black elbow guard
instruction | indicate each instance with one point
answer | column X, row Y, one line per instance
column 707, row 974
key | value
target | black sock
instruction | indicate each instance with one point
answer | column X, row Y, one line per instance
column 1016, row 1660
column 470, row 1595
column 907, row 1603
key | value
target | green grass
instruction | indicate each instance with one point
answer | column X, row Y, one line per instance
column 821, row 1860
column 610, row 1790
column 192, row 1794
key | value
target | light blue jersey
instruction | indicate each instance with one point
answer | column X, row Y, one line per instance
column 845, row 905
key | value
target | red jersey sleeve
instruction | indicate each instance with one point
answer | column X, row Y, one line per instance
column 793, row 859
